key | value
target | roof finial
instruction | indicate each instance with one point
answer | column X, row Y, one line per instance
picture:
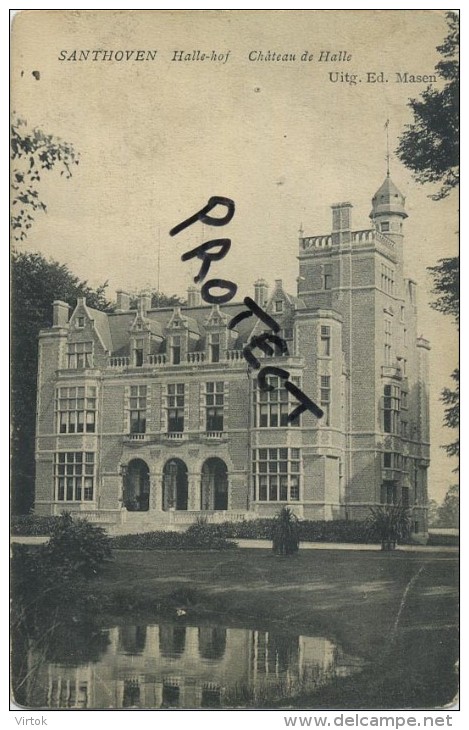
column 388, row 156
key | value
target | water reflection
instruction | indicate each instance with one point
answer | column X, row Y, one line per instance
column 173, row 665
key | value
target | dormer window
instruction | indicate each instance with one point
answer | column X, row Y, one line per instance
column 214, row 347
column 80, row 322
column 279, row 305
column 176, row 350
column 138, row 353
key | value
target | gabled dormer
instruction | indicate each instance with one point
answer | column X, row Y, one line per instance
column 218, row 338
column 182, row 336
column 146, row 335
column 281, row 307
column 89, row 338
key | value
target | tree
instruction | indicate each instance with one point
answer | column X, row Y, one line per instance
column 430, row 145
column 446, row 290
column 430, row 148
column 158, row 299
column 33, row 151
column 36, row 282
column 448, row 513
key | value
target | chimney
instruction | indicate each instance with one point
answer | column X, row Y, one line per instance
column 193, row 297
column 261, row 292
column 341, row 217
column 123, row 301
column 144, row 303
column 60, row 312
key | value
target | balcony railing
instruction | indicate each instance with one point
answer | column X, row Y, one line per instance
column 136, row 436
column 195, row 357
column 214, row 435
column 119, row 362
column 156, row 359
column 174, row 435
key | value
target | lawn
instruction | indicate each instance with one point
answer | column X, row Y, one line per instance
column 397, row 611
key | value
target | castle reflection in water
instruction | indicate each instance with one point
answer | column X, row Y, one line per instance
column 171, row 666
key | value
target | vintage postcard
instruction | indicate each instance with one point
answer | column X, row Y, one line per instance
column 235, row 350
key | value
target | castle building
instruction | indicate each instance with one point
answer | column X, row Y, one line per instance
column 148, row 418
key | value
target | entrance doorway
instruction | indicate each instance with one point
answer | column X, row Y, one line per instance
column 175, row 491
column 214, row 492
column 137, row 487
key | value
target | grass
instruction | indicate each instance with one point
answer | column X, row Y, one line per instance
column 396, row 611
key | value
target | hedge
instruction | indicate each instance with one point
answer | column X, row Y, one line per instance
column 27, row 525
column 309, row 530
column 197, row 537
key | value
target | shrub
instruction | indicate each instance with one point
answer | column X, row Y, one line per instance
column 32, row 524
column 78, row 544
column 390, row 524
column 285, row 538
column 198, row 537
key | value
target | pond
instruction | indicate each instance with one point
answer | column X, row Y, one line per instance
column 177, row 665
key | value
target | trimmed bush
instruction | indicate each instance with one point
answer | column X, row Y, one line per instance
column 197, row 537
column 36, row 525
column 308, row 530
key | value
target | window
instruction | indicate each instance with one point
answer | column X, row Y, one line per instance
column 175, row 408
column 404, row 429
column 74, row 476
column 388, row 493
column 387, row 279
column 271, row 408
column 80, row 322
column 214, row 402
column 326, row 398
column 325, row 347
column 387, row 342
column 385, row 226
column 139, row 352
column 391, row 408
column 176, row 350
column 80, row 355
column 327, row 281
column 138, row 408
column 215, row 347
column 76, row 409
column 391, row 460
column 276, row 475
column 405, row 497
column 279, row 305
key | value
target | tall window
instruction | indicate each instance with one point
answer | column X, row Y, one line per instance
column 138, row 408
column 391, row 408
column 387, row 279
column 175, row 407
column 325, row 346
column 271, row 408
column 80, row 355
column 215, row 347
column 387, row 342
column 76, row 409
column 276, row 474
column 139, row 352
column 176, row 350
column 327, row 276
column 74, row 476
column 326, row 399
column 214, row 402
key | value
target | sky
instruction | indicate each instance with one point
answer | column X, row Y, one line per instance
column 282, row 139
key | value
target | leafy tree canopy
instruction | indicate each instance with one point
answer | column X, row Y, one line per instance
column 158, row 299
column 430, row 145
column 36, row 282
column 33, row 152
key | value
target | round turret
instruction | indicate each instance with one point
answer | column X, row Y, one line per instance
column 388, row 200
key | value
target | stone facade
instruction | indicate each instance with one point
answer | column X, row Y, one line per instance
column 149, row 418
